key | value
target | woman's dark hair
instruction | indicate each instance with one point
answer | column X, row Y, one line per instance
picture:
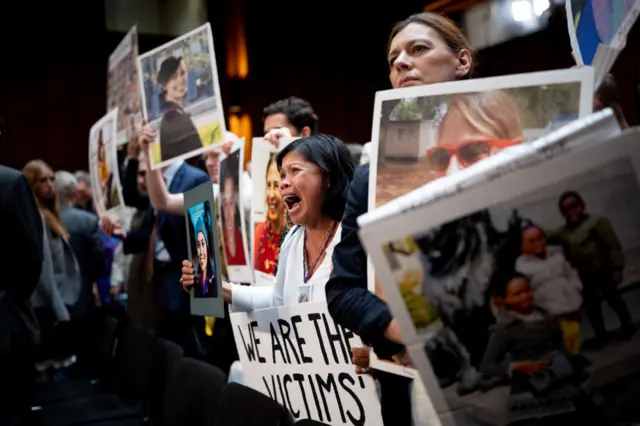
column 569, row 194
column 334, row 159
column 446, row 29
column 229, row 169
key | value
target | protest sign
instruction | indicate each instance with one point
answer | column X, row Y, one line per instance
column 268, row 212
column 122, row 87
column 203, row 246
column 423, row 133
column 181, row 97
column 299, row 357
column 453, row 269
column 103, row 167
column 232, row 222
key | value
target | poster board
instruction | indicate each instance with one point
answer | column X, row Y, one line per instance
column 426, row 132
column 598, row 31
column 540, row 191
column 123, row 90
column 103, row 167
column 232, row 220
column 204, row 251
column 299, row 357
column 181, row 97
column 268, row 211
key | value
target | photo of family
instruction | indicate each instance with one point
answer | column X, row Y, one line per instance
column 122, row 87
column 201, row 239
column 204, row 253
column 181, row 97
column 234, row 233
column 268, row 211
column 508, row 301
column 103, row 165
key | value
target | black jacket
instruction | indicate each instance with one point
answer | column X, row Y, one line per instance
column 21, row 263
column 350, row 302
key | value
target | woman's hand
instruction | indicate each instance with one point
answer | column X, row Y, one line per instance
column 529, row 367
column 274, row 135
column 360, row 358
column 188, row 275
column 226, row 147
column 147, row 137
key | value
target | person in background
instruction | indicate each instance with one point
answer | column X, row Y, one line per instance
column 425, row 48
column 84, row 195
column 21, row 262
column 89, row 250
column 607, row 96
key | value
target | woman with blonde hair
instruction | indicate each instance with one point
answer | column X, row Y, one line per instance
column 475, row 126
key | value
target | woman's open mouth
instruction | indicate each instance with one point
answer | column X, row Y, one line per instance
column 292, row 202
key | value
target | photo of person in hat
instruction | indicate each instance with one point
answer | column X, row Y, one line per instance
column 178, row 134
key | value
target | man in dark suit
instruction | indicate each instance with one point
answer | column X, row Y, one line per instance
column 21, row 263
column 353, row 306
column 164, row 237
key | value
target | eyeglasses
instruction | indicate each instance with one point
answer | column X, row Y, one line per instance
column 467, row 153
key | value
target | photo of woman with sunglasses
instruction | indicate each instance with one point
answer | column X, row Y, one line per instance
column 474, row 126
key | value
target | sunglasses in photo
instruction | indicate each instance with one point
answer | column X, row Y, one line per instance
column 467, row 153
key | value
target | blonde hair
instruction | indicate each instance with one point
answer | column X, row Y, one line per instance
column 33, row 171
column 494, row 114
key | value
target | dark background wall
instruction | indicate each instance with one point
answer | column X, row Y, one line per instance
column 53, row 71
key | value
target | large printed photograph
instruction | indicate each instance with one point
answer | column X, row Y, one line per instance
column 422, row 134
column 103, row 165
column 234, row 235
column 525, row 306
column 202, row 246
column 269, row 215
column 424, row 138
column 181, row 97
column 122, row 87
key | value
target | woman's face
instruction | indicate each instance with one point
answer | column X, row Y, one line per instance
column 176, row 87
column 456, row 132
column 44, row 186
column 418, row 55
column 303, row 188
column 203, row 253
column 229, row 205
column 275, row 205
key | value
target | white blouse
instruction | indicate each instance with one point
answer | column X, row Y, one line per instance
column 288, row 287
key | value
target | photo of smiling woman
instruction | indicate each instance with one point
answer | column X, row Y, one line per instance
column 181, row 97
column 269, row 231
column 202, row 239
column 178, row 134
column 234, row 236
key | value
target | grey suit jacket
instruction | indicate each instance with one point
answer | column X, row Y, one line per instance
column 84, row 237
column 47, row 293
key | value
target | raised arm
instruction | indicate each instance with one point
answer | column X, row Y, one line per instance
column 159, row 195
